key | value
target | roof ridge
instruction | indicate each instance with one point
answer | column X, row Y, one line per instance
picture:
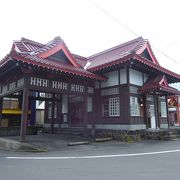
column 115, row 47
column 79, row 56
column 140, row 44
column 49, row 45
column 31, row 41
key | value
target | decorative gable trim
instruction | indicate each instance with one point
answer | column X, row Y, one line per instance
column 147, row 47
column 57, row 48
column 163, row 81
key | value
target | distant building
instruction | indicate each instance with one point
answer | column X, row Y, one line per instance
column 174, row 110
column 123, row 87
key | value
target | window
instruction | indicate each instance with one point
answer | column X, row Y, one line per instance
column 112, row 79
column 114, row 106
column 89, row 104
column 77, row 88
column 90, row 90
column 135, row 106
column 111, row 107
column 135, row 77
column 106, row 92
column 10, row 103
column 163, row 109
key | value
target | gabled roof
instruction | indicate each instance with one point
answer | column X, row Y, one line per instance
column 136, row 46
column 158, row 84
column 44, row 51
column 38, row 54
column 137, row 51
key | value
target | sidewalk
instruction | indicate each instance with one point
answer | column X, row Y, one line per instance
column 40, row 142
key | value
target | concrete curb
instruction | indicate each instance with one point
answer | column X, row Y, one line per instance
column 103, row 139
column 11, row 145
column 78, row 143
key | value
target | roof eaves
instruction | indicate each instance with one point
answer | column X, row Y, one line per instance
column 54, row 67
column 155, row 66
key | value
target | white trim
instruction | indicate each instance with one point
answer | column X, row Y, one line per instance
column 120, row 127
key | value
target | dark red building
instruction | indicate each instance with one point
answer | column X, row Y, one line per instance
column 123, row 87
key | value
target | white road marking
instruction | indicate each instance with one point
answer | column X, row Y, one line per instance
column 93, row 157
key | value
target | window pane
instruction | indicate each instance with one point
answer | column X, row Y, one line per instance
column 114, row 108
column 89, row 104
column 135, row 106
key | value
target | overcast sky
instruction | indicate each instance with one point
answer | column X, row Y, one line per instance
column 87, row 29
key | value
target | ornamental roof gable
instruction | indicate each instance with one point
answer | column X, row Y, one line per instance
column 138, row 46
column 52, row 49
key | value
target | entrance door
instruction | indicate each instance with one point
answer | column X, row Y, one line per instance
column 152, row 116
column 76, row 110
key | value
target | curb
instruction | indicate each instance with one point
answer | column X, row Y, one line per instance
column 103, row 139
column 11, row 145
column 78, row 143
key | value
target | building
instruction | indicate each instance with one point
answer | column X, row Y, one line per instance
column 123, row 87
column 174, row 110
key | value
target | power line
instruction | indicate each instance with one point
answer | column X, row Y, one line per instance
column 130, row 30
column 112, row 17
column 170, row 58
column 172, row 43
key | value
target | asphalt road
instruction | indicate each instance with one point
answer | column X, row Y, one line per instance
column 133, row 166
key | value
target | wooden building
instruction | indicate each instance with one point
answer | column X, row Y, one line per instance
column 123, row 87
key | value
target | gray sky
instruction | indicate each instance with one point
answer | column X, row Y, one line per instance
column 87, row 30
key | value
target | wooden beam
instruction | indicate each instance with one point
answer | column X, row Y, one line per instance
column 85, row 111
column 52, row 115
column 156, row 110
column 145, row 110
column 167, row 112
column 24, row 116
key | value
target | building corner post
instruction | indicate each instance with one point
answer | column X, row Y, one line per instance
column 167, row 109
column 24, row 115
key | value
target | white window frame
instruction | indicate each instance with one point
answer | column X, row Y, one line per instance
column 114, row 106
column 163, row 109
column 134, row 106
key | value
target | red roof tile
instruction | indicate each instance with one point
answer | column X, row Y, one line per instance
column 81, row 60
column 37, row 53
column 115, row 53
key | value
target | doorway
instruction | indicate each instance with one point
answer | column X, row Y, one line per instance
column 76, row 110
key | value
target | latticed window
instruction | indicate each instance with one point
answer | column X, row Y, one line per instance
column 111, row 91
column 111, row 107
column 135, row 106
column 114, row 106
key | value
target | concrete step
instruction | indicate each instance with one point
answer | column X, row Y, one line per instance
column 71, row 131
